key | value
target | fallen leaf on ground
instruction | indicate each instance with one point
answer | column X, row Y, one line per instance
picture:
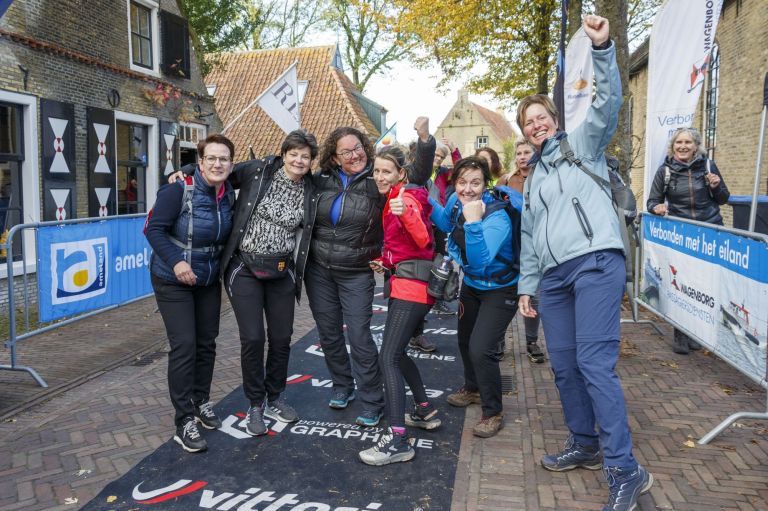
column 111, row 498
column 673, row 365
column 70, row 500
column 689, row 443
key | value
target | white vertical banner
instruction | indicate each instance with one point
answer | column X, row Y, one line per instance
column 682, row 38
column 578, row 79
column 281, row 100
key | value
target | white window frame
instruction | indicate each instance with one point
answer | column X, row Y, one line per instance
column 154, row 7
column 153, row 148
column 30, row 178
column 203, row 127
column 478, row 142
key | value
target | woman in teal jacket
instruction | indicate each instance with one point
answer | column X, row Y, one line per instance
column 572, row 251
column 480, row 241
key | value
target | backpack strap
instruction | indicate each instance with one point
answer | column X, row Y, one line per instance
column 186, row 205
column 568, row 155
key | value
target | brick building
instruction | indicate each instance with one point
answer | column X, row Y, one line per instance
column 471, row 126
column 729, row 110
column 327, row 97
column 97, row 105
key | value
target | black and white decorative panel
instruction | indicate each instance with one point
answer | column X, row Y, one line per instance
column 58, row 138
column 169, row 150
column 102, row 181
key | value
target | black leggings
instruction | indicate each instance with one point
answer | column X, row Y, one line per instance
column 402, row 319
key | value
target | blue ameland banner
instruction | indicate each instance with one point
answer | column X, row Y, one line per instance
column 712, row 283
column 89, row 266
column 4, row 4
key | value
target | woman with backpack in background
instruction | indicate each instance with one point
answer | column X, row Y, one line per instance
column 187, row 228
column 516, row 180
column 407, row 256
column 481, row 241
column 572, row 252
column 693, row 188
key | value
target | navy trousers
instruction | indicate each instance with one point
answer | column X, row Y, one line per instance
column 579, row 306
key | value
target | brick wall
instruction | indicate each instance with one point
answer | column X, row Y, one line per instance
column 742, row 37
column 101, row 34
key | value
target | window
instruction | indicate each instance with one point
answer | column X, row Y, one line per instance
column 189, row 136
column 143, row 36
column 131, row 168
column 481, row 142
column 711, row 102
column 175, row 45
column 11, row 157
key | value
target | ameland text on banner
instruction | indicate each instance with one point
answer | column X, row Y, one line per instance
column 682, row 39
column 713, row 284
column 83, row 267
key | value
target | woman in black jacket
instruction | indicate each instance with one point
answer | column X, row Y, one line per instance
column 188, row 226
column 343, row 233
column 259, row 275
column 693, row 188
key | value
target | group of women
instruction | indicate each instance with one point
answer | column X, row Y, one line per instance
column 364, row 212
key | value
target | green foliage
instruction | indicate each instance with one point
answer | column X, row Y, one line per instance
column 220, row 25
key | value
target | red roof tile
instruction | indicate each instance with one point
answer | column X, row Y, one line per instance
column 498, row 123
column 243, row 76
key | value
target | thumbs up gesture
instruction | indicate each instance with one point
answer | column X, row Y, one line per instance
column 396, row 204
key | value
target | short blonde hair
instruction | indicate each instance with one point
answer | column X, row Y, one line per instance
column 535, row 99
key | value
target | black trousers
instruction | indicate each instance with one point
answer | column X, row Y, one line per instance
column 338, row 298
column 252, row 300
column 191, row 317
column 483, row 319
column 402, row 318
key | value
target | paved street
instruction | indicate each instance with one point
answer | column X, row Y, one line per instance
column 109, row 409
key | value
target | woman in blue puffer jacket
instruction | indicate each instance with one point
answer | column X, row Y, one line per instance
column 185, row 277
column 480, row 240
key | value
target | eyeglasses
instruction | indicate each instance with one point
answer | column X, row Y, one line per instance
column 347, row 154
column 211, row 160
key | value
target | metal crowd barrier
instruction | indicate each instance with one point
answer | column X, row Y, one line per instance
column 13, row 336
column 636, row 299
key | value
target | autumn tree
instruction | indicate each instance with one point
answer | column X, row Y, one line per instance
column 287, row 23
column 219, row 25
column 370, row 39
column 512, row 40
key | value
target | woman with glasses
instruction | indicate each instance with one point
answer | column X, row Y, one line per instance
column 688, row 185
column 189, row 224
column 259, row 275
column 345, row 234
column 480, row 241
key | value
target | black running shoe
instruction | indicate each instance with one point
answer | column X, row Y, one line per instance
column 205, row 415
column 188, row 436
column 423, row 417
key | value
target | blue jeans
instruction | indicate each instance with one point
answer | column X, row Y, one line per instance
column 579, row 306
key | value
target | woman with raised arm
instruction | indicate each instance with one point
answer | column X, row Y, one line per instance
column 407, row 257
column 572, row 252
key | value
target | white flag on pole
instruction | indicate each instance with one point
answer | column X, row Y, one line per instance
column 682, row 38
column 578, row 79
column 281, row 100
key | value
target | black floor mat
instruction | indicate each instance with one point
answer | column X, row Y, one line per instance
column 311, row 465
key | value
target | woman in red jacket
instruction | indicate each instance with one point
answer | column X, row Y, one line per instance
column 407, row 254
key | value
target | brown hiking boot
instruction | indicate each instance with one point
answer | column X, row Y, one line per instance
column 463, row 398
column 488, row 426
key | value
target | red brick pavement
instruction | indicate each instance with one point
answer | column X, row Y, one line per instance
column 71, row 446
